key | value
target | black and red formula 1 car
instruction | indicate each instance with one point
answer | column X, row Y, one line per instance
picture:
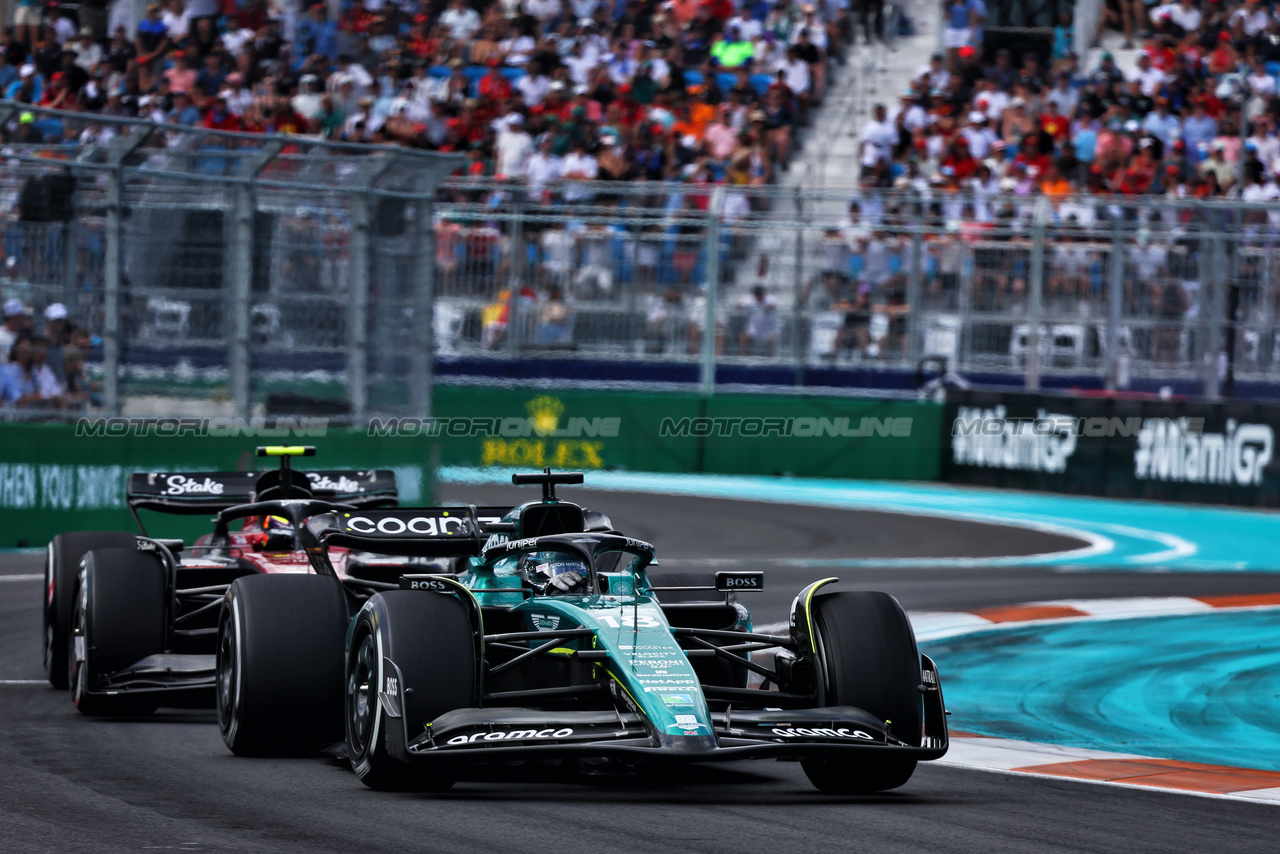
column 130, row 620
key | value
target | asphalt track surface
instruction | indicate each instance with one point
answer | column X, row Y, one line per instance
column 168, row 783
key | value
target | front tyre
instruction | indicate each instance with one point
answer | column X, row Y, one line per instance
column 62, row 573
column 279, row 664
column 117, row 619
column 872, row 663
column 430, row 639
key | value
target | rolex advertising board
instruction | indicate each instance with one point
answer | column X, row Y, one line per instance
column 71, row 476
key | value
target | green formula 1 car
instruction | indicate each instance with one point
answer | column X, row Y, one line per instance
column 552, row 642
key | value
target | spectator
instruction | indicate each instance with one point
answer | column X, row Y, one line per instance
column 57, row 333
column 80, row 391
column 461, row 21
column 17, row 320
column 35, row 383
column 553, row 319
column 762, row 326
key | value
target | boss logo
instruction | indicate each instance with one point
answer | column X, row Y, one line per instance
column 419, row 582
column 727, row 581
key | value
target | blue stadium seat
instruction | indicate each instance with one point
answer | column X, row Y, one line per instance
column 1273, row 68
column 692, row 77
column 762, row 82
column 440, row 71
column 512, row 74
column 726, row 81
column 475, row 72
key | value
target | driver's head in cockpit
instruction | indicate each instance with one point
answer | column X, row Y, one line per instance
column 554, row 572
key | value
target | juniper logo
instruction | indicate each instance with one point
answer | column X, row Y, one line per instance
column 1171, row 449
column 988, row 438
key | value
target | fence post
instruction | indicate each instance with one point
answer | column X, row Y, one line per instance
column 358, row 332
column 71, row 260
column 239, row 290
column 797, row 276
column 915, row 285
column 113, row 271
column 1115, row 305
column 1211, row 311
column 713, row 292
column 1035, row 291
column 515, row 271
column 423, row 343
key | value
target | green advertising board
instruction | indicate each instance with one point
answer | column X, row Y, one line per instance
column 60, row 477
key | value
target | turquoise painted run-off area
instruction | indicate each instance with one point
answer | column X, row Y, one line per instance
column 1133, row 535
column 1199, row 688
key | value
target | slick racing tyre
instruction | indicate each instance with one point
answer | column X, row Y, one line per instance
column 279, row 664
column 872, row 663
column 429, row 638
column 117, row 619
column 62, row 571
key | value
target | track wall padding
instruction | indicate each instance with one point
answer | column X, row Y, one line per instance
column 1161, row 450
column 56, row 478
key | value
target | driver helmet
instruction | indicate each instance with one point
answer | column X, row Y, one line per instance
column 276, row 523
column 541, row 567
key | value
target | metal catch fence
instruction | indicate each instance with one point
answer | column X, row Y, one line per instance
column 288, row 274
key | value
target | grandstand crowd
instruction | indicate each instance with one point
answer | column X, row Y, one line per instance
column 549, row 92
column 1193, row 117
column 529, row 89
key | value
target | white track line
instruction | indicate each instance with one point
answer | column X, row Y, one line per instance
column 33, row 576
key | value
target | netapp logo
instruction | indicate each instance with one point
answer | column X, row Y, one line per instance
column 511, row 735
column 990, row 439
column 805, row 732
column 1171, row 450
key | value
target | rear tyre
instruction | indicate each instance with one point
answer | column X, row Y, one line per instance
column 117, row 619
column 279, row 664
column 430, row 639
column 872, row 663
column 62, row 572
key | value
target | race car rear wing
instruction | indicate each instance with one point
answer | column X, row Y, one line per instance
column 204, row 492
column 417, row 531
column 194, row 493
